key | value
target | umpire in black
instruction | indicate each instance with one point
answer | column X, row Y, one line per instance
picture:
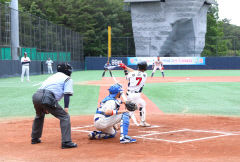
column 46, row 99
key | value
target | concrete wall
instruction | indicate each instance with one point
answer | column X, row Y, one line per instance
column 169, row 28
column 218, row 63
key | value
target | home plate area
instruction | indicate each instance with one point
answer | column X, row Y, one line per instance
column 154, row 133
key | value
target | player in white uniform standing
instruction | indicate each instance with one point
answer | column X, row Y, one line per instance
column 25, row 66
column 49, row 63
column 137, row 79
column 158, row 65
column 108, row 115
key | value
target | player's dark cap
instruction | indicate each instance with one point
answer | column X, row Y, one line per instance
column 65, row 68
column 142, row 65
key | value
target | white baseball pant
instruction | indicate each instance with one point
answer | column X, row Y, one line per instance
column 105, row 124
column 25, row 69
column 157, row 67
column 50, row 70
column 136, row 97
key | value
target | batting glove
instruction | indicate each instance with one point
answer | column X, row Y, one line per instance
column 122, row 65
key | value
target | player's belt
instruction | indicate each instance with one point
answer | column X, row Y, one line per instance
column 133, row 91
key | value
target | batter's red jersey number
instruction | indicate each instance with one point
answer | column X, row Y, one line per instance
column 139, row 80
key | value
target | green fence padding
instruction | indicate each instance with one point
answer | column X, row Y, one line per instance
column 5, row 54
column 60, row 56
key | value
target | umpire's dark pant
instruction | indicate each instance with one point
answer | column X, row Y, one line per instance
column 57, row 111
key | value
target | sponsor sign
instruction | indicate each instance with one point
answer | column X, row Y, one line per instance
column 169, row 60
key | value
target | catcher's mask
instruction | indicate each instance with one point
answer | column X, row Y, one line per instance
column 65, row 68
column 142, row 65
column 115, row 89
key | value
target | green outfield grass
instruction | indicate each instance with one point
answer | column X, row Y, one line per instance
column 195, row 98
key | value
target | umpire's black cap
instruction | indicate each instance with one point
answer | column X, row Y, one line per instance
column 65, row 68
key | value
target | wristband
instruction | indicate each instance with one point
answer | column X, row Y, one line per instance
column 114, row 112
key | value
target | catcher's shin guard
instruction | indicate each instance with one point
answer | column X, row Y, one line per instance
column 124, row 124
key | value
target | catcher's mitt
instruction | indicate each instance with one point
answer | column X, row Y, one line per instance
column 130, row 106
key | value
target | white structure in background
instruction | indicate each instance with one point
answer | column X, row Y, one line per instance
column 169, row 27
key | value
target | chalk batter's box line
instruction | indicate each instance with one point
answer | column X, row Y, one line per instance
column 222, row 134
column 145, row 136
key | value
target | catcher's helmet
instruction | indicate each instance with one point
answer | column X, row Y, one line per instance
column 65, row 68
column 142, row 65
column 115, row 89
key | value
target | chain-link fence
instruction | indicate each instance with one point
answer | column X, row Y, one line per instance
column 39, row 38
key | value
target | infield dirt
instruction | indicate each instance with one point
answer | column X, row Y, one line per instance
column 172, row 137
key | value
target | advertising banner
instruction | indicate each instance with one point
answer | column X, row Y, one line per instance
column 169, row 60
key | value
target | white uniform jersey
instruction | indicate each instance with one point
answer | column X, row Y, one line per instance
column 158, row 63
column 49, row 62
column 137, row 80
column 24, row 60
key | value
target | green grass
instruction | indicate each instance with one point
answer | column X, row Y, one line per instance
column 197, row 98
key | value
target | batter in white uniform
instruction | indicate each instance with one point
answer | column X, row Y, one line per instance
column 25, row 66
column 137, row 80
column 108, row 115
column 158, row 65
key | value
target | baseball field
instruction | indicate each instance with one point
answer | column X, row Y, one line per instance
column 195, row 116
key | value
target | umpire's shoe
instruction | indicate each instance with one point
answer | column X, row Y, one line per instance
column 35, row 140
column 68, row 145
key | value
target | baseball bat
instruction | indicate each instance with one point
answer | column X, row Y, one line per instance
column 125, row 99
column 123, row 95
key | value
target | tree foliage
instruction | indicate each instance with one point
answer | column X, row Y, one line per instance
column 215, row 44
column 89, row 17
column 92, row 17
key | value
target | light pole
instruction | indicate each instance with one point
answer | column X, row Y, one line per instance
column 14, row 29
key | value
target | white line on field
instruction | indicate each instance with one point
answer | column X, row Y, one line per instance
column 150, row 133
column 204, row 138
column 213, row 131
column 182, row 130
column 154, row 126
column 37, row 84
column 157, row 139
column 85, row 131
column 87, row 126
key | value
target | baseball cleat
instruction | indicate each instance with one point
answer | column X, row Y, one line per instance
column 70, row 144
column 127, row 139
column 92, row 135
column 35, row 141
column 144, row 124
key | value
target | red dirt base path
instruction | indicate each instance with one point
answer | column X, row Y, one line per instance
column 171, row 138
